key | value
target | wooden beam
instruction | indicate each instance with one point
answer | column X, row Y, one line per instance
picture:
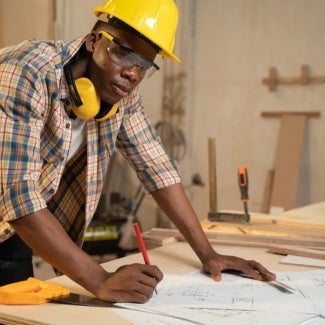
column 297, row 251
column 212, row 174
column 280, row 114
column 311, row 242
column 304, row 79
column 268, row 191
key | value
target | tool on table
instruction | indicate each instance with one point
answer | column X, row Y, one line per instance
column 281, row 286
column 142, row 246
column 35, row 292
column 243, row 186
column 274, row 283
column 214, row 214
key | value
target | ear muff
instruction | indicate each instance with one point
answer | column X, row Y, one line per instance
column 86, row 103
column 89, row 105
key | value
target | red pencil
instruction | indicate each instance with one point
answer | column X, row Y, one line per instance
column 142, row 245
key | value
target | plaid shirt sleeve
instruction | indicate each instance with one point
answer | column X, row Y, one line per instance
column 21, row 107
column 141, row 146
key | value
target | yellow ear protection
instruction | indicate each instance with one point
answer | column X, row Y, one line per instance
column 86, row 103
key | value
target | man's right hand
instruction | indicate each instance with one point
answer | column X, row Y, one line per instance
column 46, row 237
column 130, row 283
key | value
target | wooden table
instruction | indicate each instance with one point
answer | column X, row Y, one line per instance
column 174, row 258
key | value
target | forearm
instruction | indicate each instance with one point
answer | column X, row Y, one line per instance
column 46, row 237
column 174, row 202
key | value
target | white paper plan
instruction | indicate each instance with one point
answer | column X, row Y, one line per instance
column 237, row 299
column 188, row 316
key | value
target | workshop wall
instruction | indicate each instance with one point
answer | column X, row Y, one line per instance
column 235, row 43
column 22, row 19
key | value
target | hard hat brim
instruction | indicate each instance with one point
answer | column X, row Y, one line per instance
column 163, row 52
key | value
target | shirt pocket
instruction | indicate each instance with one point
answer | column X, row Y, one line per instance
column 49, row 152
column 54, row 143
column 52, row 166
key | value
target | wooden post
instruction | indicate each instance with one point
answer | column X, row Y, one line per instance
column 212, row 174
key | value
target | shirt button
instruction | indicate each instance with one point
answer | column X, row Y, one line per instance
column 51, row 191
column 68, row 125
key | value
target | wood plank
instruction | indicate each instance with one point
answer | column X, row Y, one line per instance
column 275, row 226
column 282, row 113
column 14, row 320
column 287, row 162
column 267, row 192
column 297, row 251
column 157, row 241
column 270, row 240
column 212, row 174
column 303, row 261
column 298, row 241
column 307, row 215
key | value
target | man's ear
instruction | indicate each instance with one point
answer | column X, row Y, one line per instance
column 91, row 41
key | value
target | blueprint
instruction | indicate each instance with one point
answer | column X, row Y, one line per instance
column 197, row 299
column 188, row 316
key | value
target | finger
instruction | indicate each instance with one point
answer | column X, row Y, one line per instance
column 216, row 275
column 121, row 268
column 135, row 289
column 148, row 281
column 152, row 271
column 143, row 292
column 258, row 271
column 264, row 272
column 133, row 270
column 144, row 287
column 147, row 276
column 132, row 296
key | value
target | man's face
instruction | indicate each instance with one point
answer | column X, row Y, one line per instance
column 112, row 81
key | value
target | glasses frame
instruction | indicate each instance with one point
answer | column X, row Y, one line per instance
column 152, row 65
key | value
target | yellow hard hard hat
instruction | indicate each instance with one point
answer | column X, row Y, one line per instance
column 155, row 19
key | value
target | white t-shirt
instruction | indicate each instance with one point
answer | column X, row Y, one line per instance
column 78, row 135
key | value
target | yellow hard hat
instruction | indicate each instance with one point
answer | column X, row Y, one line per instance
column 155, row 19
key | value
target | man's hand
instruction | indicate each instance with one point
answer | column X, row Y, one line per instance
column 43, row 233
column 130, row 283
column 218, row 263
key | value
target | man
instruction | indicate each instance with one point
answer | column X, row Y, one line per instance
column 64, row 108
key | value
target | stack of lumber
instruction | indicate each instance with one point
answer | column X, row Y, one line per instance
column 263, row 231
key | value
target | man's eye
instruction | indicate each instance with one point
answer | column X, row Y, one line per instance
column 121, row 52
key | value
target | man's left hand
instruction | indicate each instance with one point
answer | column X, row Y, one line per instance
column 218, row 263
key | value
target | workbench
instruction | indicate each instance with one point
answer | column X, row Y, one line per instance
column 172, row 258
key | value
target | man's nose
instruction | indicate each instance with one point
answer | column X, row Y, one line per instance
column 133, row 73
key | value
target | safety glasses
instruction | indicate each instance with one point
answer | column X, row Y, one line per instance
column 127, row 58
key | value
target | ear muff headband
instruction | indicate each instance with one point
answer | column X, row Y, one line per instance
column 86, row 103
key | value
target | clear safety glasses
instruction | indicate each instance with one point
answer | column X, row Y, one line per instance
column 127, row 58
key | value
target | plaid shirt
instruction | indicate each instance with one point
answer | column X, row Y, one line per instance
column 35, row 137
